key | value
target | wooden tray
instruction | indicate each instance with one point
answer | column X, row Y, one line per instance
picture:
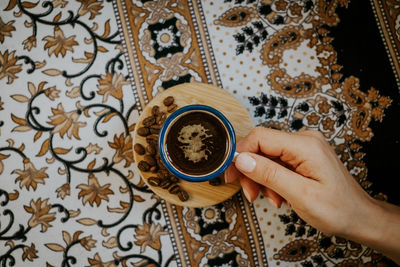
column 200, row 194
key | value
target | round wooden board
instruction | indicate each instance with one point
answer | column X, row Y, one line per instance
column 200, row 194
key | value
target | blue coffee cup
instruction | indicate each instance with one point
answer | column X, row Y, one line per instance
column 217, row 117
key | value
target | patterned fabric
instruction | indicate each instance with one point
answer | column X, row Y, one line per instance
column 75, row 75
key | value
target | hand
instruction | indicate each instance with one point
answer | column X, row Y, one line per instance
column 303, row 170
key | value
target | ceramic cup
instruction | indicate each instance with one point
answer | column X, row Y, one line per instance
column 197, row 143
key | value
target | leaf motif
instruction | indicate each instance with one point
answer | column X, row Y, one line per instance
column 109, row 116
column 91, row 164
column 106, row 29
column 29, row 4
column 44, row 148
column 39, row 64
column 20, row 98
column 74, row 93
column 13, row 196
column 10, row 243
column 22, row 147
column 31, row 88
column 11, row 5
column 111, row 242
column 66, row 237
column 87, row 221
column 74, row 213
column 52, row 72
column 57, row 17
column 41, row 86
column 55, row 247
column 138, row 198
column 19, row 121
column 132, row 127
column 76, row 235
column 37, row 136
column 22, row 129
column 102, row 49
column 61, row 150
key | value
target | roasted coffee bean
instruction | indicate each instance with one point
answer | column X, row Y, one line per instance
column 150, row 160
column 151, row 149
column 152, row 139
column 154, row 131
column 153, row 169
column 215, row 181
column 169, row 100
column 183, row 195
column 172, row 108
column 154, row 181
column 161, row 165
column 143, row 131
column 165, row 184
column 147, row 122
column 155, row 110
column 162, row 174
column 174, row 189
column 139, row 149
column 174, row 179
column 155, row 128
column 161, row 117
column 143, row 166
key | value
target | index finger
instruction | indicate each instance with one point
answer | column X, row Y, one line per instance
column 273, row 143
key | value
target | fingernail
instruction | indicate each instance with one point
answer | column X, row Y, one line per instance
column 272, row 202
column 245, row 163
column 247, row 195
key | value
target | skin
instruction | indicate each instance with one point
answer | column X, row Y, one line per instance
column 302, row 170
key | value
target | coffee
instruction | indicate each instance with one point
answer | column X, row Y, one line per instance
column 197, row 143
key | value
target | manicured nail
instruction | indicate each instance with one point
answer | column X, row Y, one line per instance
column 245, row 163
column 247, row 195
column 272, row 202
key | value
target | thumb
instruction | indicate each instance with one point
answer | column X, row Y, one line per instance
column 266, row 172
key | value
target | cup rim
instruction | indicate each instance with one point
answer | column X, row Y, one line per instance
column 204, row 177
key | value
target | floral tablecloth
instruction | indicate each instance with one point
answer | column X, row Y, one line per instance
column 76, row 74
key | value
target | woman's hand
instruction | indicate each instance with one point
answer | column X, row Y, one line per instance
column 303, row 170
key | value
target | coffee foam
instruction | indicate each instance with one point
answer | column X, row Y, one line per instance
column 192, row 137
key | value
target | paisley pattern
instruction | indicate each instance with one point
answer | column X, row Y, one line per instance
column 74, row 77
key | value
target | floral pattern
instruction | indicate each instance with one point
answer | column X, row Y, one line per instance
column 73, row 81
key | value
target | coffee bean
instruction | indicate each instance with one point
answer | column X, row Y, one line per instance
column 162, row 174
column 151, row 149
column 155, row 110
column 174, row 179
column 154, row 131
column 143, row 166
column 183, row 195
column 161, row 117
column 168, row 101
column 153, row 169
column 150, row 160
column 152, row 139
column 143, row 131
column 147, row 122
column 154, row 181
column 172, row 108
column 165, row 183
column 174, row 189
column 139, row 149
column 161, row 165
column 215, row 181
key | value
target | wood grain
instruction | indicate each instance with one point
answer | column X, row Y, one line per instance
column 201, row 194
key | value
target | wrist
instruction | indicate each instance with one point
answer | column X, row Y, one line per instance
column 379, row 228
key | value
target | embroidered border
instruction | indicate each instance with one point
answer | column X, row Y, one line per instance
column 379, row 11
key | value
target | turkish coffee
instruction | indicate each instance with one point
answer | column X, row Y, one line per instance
column 197, row 143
